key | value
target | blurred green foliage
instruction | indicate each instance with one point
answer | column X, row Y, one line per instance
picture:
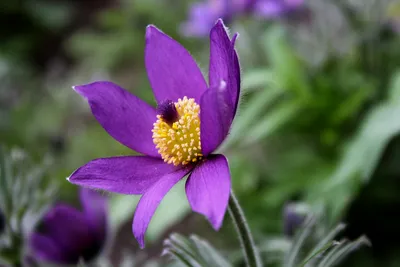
column 318, row 112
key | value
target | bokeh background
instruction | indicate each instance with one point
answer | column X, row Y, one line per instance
column 318, row 121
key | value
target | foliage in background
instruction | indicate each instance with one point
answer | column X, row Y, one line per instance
column 25, row 194
column 318, row 111
column 314, row 245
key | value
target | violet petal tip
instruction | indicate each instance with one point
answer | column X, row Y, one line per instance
column 80, row 90
column 220, row 22
column 77, row 88
column 216, row 225
column 151, row 30
column 235, row 37
column 140, row 239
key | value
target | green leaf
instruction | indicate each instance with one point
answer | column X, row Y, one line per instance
column 394, row 88
column 250, row 111
column 332, row 252
column 272, row 121
column 364, row 151
column 184, row 245
column 318, row 252
column 193, row 252
column 286, row 67
column 327, row 240
column 257, row 79
column 208, row 252
column 342, row 250
column 299, row 241
column 27, row 194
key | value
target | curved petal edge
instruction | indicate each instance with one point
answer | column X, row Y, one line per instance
column 124, row 174
column 125, row 117
column 208, row 188
column 149, row 202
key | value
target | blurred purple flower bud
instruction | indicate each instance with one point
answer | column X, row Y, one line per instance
column 202, row 15
column 272, row 9
column 68, row 235
column 393, row 14
column 29, row 261
column 294, row 215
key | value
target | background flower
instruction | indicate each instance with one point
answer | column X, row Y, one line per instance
column 67, row 235
column 203, row 14
column 274, row 9
column 294, row 215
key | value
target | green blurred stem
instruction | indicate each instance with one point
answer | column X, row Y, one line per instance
column 246, row 239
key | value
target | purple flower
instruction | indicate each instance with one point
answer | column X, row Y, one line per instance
column 393, row 16
column 178, row 138
column 202, row 15
column 294, row 215
column 274, row 9
column 395, row 23
column 67, row 235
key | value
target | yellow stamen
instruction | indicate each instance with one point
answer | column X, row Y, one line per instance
column 179, row 143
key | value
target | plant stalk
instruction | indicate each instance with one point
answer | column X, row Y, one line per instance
column 250, row 251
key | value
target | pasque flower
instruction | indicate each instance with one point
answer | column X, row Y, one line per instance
column 203, row 14
column 294, row 215
column 393, row 16
column 67, row 235
column 176, row 139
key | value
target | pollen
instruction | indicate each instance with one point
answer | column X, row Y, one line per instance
column 178, row 142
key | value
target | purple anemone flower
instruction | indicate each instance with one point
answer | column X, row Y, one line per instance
column 176, row 139
column 67, row 235
column 202, row 15
column 275, row 9
column 294, row 215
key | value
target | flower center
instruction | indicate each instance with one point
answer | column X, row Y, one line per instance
column 176, row 133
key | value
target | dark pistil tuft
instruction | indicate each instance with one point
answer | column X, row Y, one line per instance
column 168, row 111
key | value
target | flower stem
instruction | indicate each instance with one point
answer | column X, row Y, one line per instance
column 246, row 239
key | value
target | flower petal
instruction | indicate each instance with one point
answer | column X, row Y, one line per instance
column 46, row 249
column 215, row 118
column 66, row 226
column 236, row 73
column 208, row 187
column 124, row 116
column 124, row 175
column 95, row 207
column 149, row 202
column 224, row 64
column 172, row 71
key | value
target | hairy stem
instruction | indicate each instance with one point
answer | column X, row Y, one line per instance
column 246, row 239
